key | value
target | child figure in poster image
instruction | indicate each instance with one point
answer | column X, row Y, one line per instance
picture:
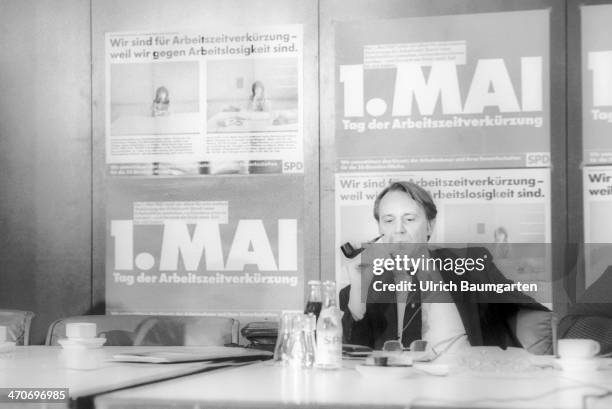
column 258, row 108
column 501, row 248
column 259, row 103
column 161, row 103
column 256, row 103
column 257, row 100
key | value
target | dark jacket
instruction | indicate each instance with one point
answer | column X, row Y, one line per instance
column 485, row 317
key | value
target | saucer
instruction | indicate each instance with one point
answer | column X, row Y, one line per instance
column 578, row 365
column 433, row 369
column 385, row 372
column 83, row 343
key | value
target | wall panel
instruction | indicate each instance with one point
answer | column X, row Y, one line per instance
column 45, row 150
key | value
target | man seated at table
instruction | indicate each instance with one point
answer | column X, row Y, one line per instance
column 406, row 216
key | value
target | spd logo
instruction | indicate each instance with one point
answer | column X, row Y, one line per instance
column 537, row 159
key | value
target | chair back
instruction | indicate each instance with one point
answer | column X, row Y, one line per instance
column 126, row 330
column 536, row 330
column 18, row 325
column 597, row 328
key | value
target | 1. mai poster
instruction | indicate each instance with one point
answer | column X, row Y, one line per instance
column 597, row 84
column 444, row 92
column 193, row 246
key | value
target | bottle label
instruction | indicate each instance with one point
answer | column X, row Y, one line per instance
column 329, row 348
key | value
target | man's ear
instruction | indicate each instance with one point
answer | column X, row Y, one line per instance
column 431, row 224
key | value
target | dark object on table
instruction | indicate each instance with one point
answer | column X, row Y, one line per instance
column 356, row 351
column 381, row 360
column 261, row 334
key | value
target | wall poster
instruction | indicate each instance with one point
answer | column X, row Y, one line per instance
column 435, row 93
column 505, row 210
column 597, row 84
column 200, row 247
column 597, row 182
column 204, row 103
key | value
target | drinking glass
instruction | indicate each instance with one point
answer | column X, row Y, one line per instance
column 281, row 350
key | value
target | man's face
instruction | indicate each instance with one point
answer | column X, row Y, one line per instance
column 402, row 219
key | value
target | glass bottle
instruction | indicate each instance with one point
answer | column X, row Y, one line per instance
column 311, row 325
column 329, row 330
column 314, row 304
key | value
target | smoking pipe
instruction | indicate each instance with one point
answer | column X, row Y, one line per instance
column 351, row 252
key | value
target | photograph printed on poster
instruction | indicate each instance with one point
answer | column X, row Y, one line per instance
column 155, row 98
column 252, row 95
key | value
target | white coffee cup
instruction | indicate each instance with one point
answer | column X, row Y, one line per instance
column 81, row 330
column 578, row 348
column 3, row 332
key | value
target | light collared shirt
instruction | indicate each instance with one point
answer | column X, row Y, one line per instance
column 441, row 323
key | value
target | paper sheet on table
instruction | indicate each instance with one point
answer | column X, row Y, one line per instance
column 242, row 121
column 215, row 354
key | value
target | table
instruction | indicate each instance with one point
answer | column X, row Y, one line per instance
column 53, row 367
column 245, row 121
column 266, row 385
column 178, row 123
